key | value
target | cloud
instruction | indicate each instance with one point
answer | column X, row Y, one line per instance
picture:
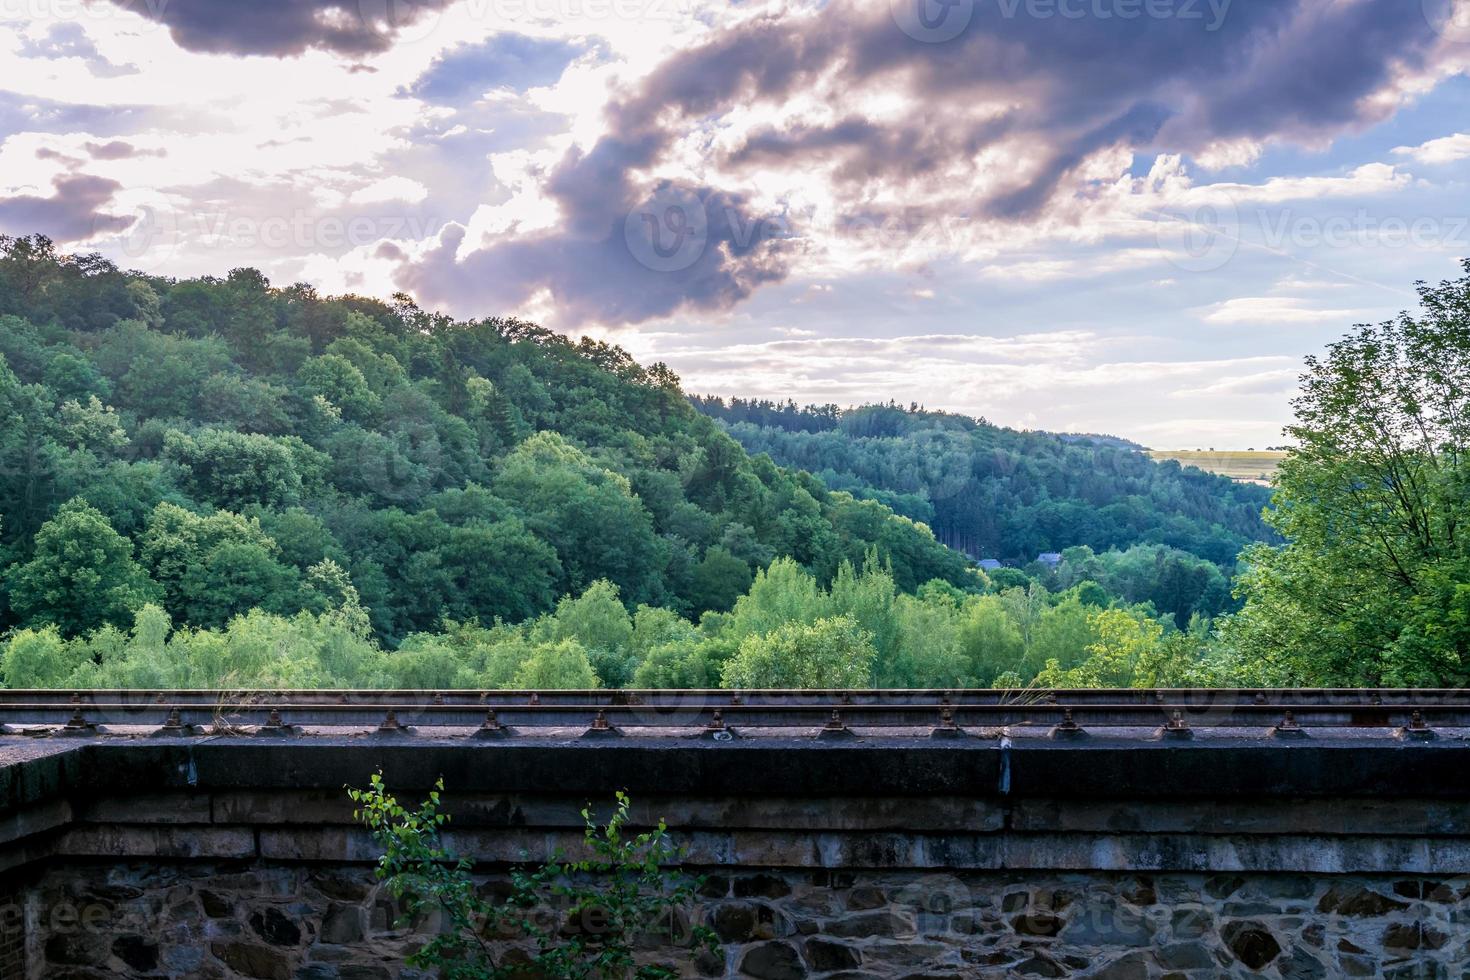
column 279, row 28
column 119, row 150
column 1261, row 310
column 74, row 212
column 1257, row 383
column 587, row 266
column 831, row 121
column 507, row 60
column 396, row 188
column 69, row 40
column 1446, row 149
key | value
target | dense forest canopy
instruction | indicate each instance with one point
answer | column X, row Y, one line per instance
column 1000, row 493
column 238, row 434
column 219, row 482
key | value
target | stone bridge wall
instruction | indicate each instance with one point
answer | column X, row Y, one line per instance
column 237, row 857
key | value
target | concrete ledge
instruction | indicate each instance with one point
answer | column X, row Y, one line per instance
column 1137, row 853
column 1375, row 817
column 148, row 808
column 795, row 768
column 1188, row 806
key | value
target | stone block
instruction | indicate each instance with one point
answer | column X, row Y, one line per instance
column 107, row 840
column 315, row 807
column 321, row 844
column 148, row 808
column 35, row 820
column 773, row 961
column 253, row 960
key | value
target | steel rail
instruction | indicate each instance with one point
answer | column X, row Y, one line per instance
column 1347, row 697
column 391, row 712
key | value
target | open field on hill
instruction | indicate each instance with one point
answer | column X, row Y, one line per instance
column 1247, row 467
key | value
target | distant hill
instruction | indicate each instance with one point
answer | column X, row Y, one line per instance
column 1000, row 493
column 1253, row 466
column 1092, row 438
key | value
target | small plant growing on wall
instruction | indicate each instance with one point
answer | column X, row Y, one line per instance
column 565, row 920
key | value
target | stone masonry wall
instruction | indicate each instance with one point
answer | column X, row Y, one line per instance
column 285, row 921
column 237, row 857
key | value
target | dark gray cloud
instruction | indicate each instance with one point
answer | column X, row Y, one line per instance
column 1286, row 69
column 280, row 28
column 506, row 60
column 1065, row 88
column 73, row 212
column 608, row 273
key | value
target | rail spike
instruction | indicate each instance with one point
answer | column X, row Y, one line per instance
column 836, row 728
column 1287, row 727
column 1068, row 728
column 173, row 726
column 715, row 730
column 391, row 726
column 274, row 726
column 947, row 727
column 600, row 727
column 77, row 726
column 491, row 728
column 1176, row 727
column 1416, row 730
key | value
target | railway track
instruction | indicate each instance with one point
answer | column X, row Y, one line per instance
column 723, row 713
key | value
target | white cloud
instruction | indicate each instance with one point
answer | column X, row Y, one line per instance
column 1275, row 382
column 395, row 188
column 1263, row 310
column 1446, row 149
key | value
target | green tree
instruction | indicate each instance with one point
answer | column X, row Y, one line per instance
column 719, row 579
column 39, row 658
column 92, row 426
column 1124, row 643
column 1373, row 583
column 588, row 513
column 598, row 622
column 559, row 666
column 233, row 470
column 830, row 653
column 989, row 639
column 82, row 574
column 212, row 567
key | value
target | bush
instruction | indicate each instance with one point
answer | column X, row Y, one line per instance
column 583, row 916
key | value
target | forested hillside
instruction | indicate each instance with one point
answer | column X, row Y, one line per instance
column 205, row 444
column 218, row 482
column 999, row 493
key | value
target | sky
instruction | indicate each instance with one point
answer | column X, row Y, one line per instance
column 1125, row 216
